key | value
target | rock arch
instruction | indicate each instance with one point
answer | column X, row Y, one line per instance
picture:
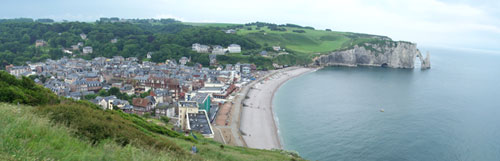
column 426, row 63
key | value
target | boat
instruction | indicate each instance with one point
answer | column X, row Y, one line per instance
column 381, row 110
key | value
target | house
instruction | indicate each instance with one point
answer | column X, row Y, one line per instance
column 164, row 109
column 246, row 70
column 160, row 95
column 213, row 59
column 195, row 47
column 218, row 50
column 75, row 47
column 18, row 70
column 128, row 89
column 234, row 48
column 67, row 51
column 276, row 48
column 200, row 48
column 148, row 55
column 142, row 105
column 183, row 60
column 114, row 40
column 230, row 31
column 79, row 86
column 94, row 86
column 105, row 102
column 83, row 36
column 40, row 43
column 87, row 50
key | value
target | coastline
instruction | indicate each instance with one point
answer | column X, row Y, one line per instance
column 258, row 125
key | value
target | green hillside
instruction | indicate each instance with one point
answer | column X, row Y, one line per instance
column 311, row 41
column 62, row 129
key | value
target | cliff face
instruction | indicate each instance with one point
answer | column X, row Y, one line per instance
column 387, row 54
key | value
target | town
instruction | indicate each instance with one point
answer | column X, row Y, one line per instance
column 190, row 96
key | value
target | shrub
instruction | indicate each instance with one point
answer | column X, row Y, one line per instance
column 165, row 119
column 98, row 125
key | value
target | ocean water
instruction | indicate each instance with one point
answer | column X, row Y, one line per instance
column 450, row 112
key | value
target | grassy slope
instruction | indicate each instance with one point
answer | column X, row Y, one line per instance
column 209, row 24
column 312, row 41
column 27, row 136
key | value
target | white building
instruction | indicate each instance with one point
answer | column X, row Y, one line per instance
column 276, row 48
column 183, row 60
column 200, row 48
column 87, row 50
column 234, row 48
column 19, row 70
column 219, row 50
column 83, row 36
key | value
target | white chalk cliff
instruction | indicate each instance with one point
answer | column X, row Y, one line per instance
column 384, row 54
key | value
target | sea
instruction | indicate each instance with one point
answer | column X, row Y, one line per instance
column 450, row 112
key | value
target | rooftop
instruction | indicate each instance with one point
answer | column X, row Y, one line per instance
column 198, row 122
column 199, row 97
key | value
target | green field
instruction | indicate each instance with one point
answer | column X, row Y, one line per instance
column 210, row 24
column 312, row 41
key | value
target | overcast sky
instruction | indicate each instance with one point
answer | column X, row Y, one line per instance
column 459, row 24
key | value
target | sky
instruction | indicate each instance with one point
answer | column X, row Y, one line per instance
column 465, row 24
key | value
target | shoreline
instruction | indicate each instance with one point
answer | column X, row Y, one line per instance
column 258, row 125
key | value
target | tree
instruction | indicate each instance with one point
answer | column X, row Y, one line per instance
column 114, row 91
column 165, row 119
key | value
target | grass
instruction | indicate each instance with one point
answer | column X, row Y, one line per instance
column 210, row 24
column 312, row 41
column 27, row 135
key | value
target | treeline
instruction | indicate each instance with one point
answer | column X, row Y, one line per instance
column 171, row 40
column 276, row 26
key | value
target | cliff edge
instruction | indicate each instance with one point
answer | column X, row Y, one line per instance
column 381, row 53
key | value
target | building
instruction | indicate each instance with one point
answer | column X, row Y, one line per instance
column 94, row 86
column 213, row 59
column 185, row 107
column 115, row 40
column 203, row 100
column 75, row 47
column 18, row 70
column 200, row 122
column 142, row 105
column 219, row 50
column 87, row 50
column 105, row 102
column 245, row 70
column 230, row 31
column 164, row 109
column 148, row 55
column 276, row 48
column 183, row 60
column 234, row 48
column 200, row 48
column 83, row 36
column 40, row 43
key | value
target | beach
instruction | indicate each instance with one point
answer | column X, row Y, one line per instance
column 257, row 125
